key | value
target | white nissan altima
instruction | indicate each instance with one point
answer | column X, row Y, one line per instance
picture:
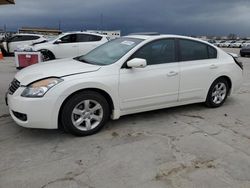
column 128, row 75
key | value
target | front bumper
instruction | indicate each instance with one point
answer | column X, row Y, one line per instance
column 39, row 112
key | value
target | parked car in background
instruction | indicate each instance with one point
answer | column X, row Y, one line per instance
column 245, row 51
column 237, row 44
column 127, row 75
column 1, row 36
column 212, row 41
column 70, row 45
column 217, row 42
column 227, row 44
column 221, row 43
column 10, row 45
column 247, row 43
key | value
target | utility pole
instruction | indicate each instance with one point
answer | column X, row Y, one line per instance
column 4, row 30
column 101, row 22
column 59, row 25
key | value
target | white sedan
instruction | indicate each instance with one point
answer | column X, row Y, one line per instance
column 70, row 45
column 128, row 75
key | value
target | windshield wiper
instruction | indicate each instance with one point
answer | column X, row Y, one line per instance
column 86, row 61
column 79, row 58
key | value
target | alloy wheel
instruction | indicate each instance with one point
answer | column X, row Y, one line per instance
column 219, row 93
column 87, row 115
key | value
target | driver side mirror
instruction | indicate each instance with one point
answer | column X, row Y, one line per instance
column 137, row 63
column 59, row 41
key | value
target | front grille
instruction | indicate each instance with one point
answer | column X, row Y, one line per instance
column 14, row 85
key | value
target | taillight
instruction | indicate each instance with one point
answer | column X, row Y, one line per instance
column 239, row 63
column 236, row 60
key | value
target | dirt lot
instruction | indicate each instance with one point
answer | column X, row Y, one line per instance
column 188, row 146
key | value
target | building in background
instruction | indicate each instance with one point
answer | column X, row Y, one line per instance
column 111, row 34
column 5, row 2
column 42, row 31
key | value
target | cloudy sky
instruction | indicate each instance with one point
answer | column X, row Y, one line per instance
column 188, row 17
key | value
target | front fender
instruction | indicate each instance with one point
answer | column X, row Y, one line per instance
column 69, row 87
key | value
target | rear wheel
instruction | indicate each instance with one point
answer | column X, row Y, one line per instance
column 242, row 55
column 47, row 55
column 217, row 93
column 85, row 113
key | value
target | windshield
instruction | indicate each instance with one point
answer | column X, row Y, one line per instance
column 110, row 52
column 50, row 38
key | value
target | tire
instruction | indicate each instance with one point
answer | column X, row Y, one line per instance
column 85, row 113
column 217, row 93
column 242, row 55
column 47, row 55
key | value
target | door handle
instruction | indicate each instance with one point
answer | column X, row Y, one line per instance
column 172, row 73
column 213, row 66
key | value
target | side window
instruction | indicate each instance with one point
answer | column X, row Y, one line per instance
column 192, row 50
column 88, row 38
column 71, row 38
column 16, row 38
column 95, row 38
column 212, row 52
column 29, row 37
column 157, row 52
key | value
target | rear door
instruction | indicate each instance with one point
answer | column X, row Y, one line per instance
column 198, row 67
column 88, row 42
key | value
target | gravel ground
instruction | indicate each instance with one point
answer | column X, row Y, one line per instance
column 187, row 146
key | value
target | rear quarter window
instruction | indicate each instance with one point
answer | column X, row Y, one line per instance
column 212, row 52
column 194, row 50
column 88, row 38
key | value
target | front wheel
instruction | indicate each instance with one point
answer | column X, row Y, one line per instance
column 217, row 93
column 85, row 113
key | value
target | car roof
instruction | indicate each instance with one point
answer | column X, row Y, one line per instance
column 159, row 36
column 27, row 34
column 84, row 32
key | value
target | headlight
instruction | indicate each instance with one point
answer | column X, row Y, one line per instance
column 39, row 88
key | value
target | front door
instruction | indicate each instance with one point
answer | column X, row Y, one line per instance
column 157, row 83
column 67, row 47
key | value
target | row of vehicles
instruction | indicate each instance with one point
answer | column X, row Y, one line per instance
column 230, row 43
column 79, row 43
column 65, row 45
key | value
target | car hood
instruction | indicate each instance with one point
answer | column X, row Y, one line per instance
column 246, row 47
column 55, row 68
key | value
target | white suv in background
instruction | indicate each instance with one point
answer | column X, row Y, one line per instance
column 237, row 44
column 10, row 45
column 70, row 45
column 247, row 43
column 127, row 75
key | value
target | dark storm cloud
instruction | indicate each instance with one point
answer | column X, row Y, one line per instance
column 190, row 17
